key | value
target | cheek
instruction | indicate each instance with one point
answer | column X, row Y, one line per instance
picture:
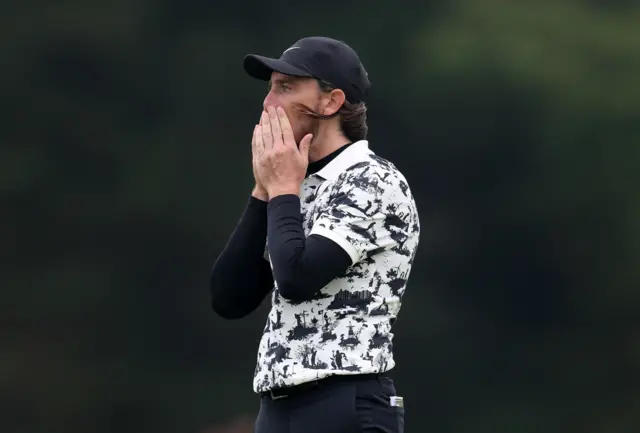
column 275, row 100
column 297, row 122
column 296, row 119
column 292, row 115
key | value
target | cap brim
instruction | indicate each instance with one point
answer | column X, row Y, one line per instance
column 261, row 67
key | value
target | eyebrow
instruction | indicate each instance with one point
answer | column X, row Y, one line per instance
column 288, row 80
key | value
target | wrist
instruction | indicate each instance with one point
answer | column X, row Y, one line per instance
column 260, row 193
column 283, row 190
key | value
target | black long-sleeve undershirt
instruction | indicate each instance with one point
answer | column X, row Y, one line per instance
column 241, row 277
column 301, row 265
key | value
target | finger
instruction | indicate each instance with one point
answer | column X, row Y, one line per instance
column 267, row 137
column 285, row 128
column 259, row 143
column 275, row 127
column 253, row 140
column 305, row 144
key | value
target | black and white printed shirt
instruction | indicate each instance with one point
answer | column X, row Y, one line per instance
column 363, row 203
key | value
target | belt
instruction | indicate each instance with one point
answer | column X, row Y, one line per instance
column 290, row 391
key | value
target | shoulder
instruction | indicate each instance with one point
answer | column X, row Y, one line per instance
column 377, row 176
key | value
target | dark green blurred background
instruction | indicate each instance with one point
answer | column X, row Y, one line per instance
column 126, row 162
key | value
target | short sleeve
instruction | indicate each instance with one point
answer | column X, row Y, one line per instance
column 368, row 212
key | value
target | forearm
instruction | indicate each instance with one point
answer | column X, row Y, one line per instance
column 301, row 266
column 241, row 277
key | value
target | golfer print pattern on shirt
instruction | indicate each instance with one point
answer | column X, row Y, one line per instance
column 368, row 209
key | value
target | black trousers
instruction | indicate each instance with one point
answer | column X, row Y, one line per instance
column 344, row 404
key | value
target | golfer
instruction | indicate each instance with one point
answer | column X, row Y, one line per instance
column 330, row 231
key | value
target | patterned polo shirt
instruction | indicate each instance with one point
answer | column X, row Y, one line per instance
column 364, row 204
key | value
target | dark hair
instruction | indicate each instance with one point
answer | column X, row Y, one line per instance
column 353, row 117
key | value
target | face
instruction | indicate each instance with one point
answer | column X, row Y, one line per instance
column 289, row 92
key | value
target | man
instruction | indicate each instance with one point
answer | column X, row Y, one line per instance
column 331, row 230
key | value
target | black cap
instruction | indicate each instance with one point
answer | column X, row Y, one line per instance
column 317, row 57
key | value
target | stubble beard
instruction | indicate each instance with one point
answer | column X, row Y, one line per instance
column 308, row 125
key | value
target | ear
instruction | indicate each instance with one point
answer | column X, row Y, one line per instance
column 334, row 101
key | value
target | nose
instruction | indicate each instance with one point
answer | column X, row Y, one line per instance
column 269, row 100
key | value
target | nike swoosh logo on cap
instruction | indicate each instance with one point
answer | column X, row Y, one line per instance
column 289, row 49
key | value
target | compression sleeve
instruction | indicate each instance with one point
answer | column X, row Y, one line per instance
column 241, row 277
column 301, row 266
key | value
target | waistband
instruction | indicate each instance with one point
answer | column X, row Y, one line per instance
column 290, row 391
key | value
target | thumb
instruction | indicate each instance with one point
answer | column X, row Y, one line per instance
column 305, row 143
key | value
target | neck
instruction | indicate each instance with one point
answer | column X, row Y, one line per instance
column 325, row 143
